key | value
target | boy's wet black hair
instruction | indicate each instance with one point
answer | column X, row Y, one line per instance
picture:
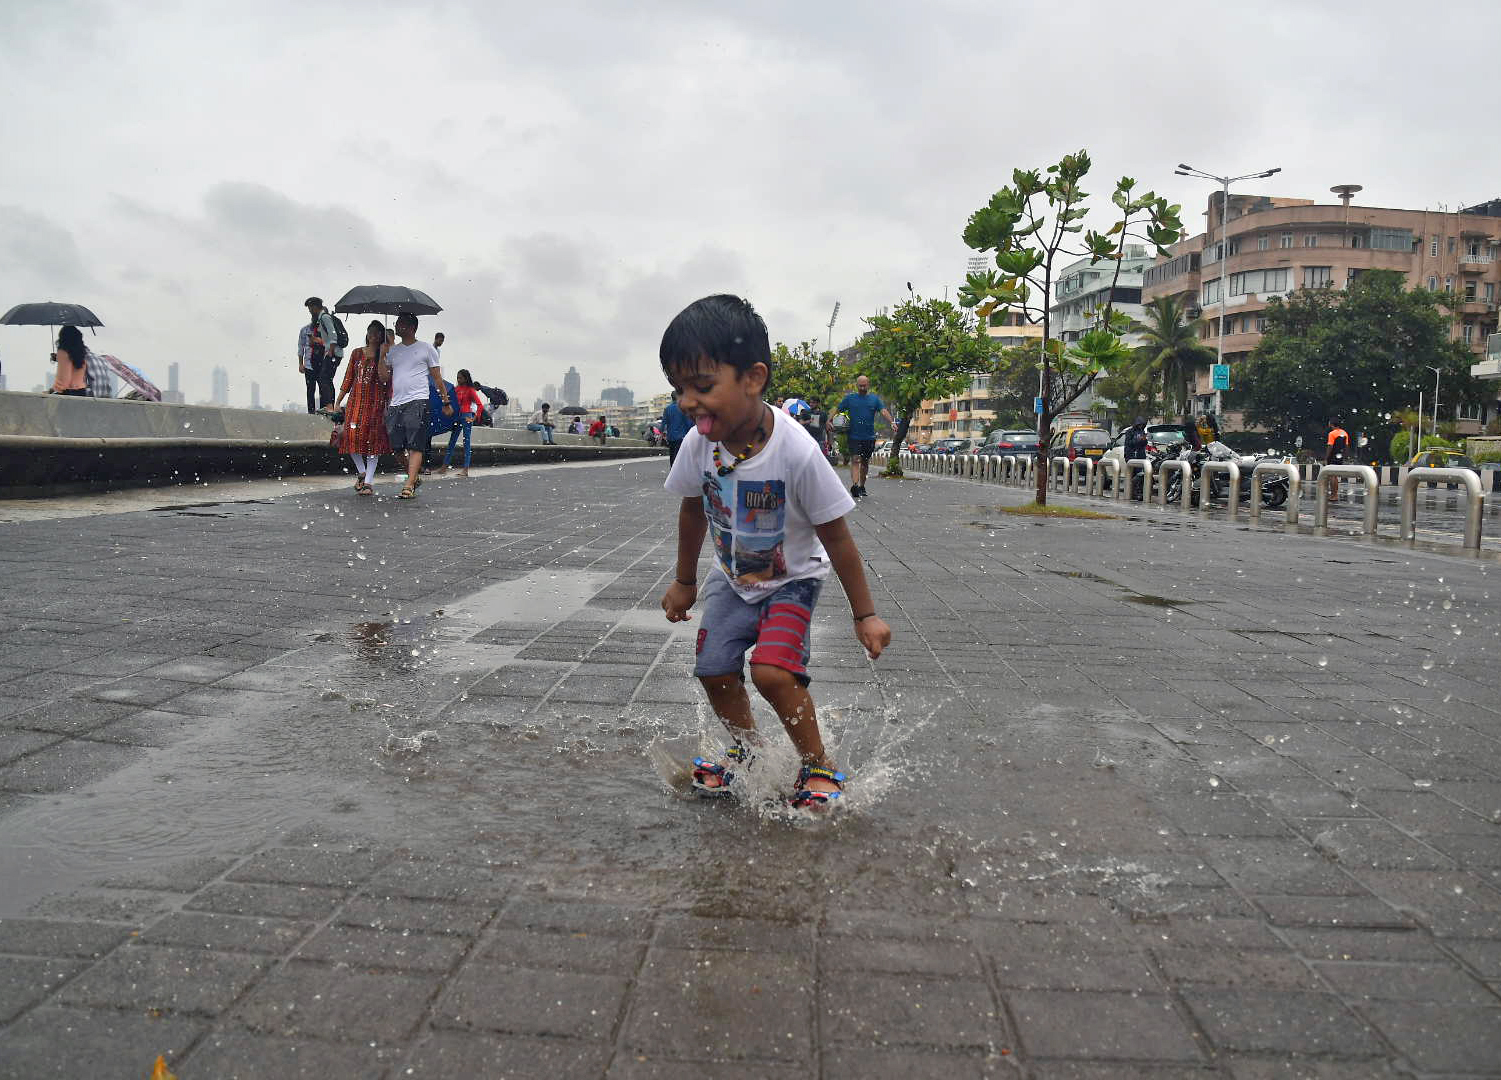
column 722, row 329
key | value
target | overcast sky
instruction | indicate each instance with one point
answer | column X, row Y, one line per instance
column 564, row 177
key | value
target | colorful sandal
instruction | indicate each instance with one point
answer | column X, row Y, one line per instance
column 703, row 768
column 804, row 799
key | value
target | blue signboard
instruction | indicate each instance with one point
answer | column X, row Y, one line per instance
column 1219, row 375
column 1037, row 405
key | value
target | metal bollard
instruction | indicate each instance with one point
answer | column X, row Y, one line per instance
column 1474, row 500
column 1097, row 481
column 1294, row 488
column 1185, row 486
column 1211, row 467
column 1372, row 494
column 1057, row 473
column 1071, row 477
column 1145, row 466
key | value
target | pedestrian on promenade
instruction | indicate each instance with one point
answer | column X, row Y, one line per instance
column 1134, row 444
column 777, row 512
column 862, row 407
column 72, row 364
column 471, row 408
column 324, row 353
column 675, row 427
column 818, row 424
column 363, row 398
column 599, row 430
column 438, row 340
column 542, row 424
column 1336, row 446
column 408, row 365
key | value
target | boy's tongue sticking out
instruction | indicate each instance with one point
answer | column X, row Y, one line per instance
column 704, row 424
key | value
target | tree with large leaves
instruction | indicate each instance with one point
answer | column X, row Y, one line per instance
column 1030, row 224
column 805, row 371
column 920, row 349
column 1360, row 354
column 1170, row 354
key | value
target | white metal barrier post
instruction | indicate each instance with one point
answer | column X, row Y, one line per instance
column 1372, row 494
column 1145, row 467
column 1474, row 500
column 1294, row 488
column 1072, row 479
column 1097, row 481
column 1185, row 485
column 1057, row 473
column 1208, row 469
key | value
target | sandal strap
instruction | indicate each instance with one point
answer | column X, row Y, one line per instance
column 809, row 772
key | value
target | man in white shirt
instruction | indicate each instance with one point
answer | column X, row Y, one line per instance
column 408, row 364
column 542, row 424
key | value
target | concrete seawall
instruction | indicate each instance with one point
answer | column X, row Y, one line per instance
column 51, row 444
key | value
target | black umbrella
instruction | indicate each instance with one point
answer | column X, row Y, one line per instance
column 386, row 300
column 50, row 314
column 573, row 410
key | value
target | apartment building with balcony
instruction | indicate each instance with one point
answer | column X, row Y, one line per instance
column 1273, row 246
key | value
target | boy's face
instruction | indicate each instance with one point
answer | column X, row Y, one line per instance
column 719, row 399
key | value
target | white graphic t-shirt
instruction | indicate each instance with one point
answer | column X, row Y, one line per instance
column 409, row 364
column 762, row 514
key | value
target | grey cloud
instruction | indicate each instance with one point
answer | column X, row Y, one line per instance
column 36, row 253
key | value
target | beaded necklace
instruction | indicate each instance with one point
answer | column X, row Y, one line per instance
column 750, row 448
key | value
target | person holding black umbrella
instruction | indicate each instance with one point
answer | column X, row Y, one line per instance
column 72, row 360
column 408, row 365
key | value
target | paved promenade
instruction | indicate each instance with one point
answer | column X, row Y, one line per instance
column 318, row 786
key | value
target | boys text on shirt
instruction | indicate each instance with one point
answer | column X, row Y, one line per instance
column 409, row 364
column 762, row 514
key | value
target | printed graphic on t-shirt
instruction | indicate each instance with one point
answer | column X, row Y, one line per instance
column 749, row 544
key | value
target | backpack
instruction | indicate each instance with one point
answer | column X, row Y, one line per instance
column 341, row 335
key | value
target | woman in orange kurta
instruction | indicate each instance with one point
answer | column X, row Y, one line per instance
column 364, row 437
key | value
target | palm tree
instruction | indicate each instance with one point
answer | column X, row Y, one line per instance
column 1170, row 351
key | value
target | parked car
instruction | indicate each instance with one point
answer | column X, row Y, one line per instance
column 1076, row 442
column 950, row 446
column 1442, row 459
column 1159, row 437
column 1009, row 442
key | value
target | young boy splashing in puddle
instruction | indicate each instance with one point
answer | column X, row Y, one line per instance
column 753, row 477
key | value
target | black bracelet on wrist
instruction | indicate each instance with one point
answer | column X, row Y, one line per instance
column 867, row 615
column 686, row 584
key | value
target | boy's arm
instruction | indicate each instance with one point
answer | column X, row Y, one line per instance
column 692, row 525
column 870, row 628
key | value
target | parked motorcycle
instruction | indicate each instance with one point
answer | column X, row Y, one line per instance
column 1274, row 489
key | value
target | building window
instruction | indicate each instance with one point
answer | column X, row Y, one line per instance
column 1470, row 411
column 1263, row 242
column 1210, row 294
column 1490, row 291
column 1311, row 240
column 1433, row 248
column 1449, row 283
column 1316, row 276
column 1261, row 324
column 1469, row 292
column 1451, row 245
column 1392, row 239
column 1432, row 283
column 1472, row 247
column 1467, row 331
column 1287, row 239
column 1357, row 240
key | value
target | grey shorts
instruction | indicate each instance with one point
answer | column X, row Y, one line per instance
column 862, row 448
column 774, row 631
column 406, row 425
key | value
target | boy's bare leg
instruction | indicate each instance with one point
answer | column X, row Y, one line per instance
column 730, row 702
column 794, row 705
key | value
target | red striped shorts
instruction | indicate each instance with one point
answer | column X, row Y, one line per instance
column 775, row 631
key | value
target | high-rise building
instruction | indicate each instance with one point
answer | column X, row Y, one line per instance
column 220, row 395
column 255, row 395
column 618, row 395
column 550, row 394
column 573, row 386
column 1273, row 246
column 173, row 393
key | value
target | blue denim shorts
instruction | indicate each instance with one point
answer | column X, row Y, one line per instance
column 775, row 631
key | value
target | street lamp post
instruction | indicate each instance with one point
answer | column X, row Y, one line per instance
column 1435, row 371
column 1224, row 182
column 832, row 317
